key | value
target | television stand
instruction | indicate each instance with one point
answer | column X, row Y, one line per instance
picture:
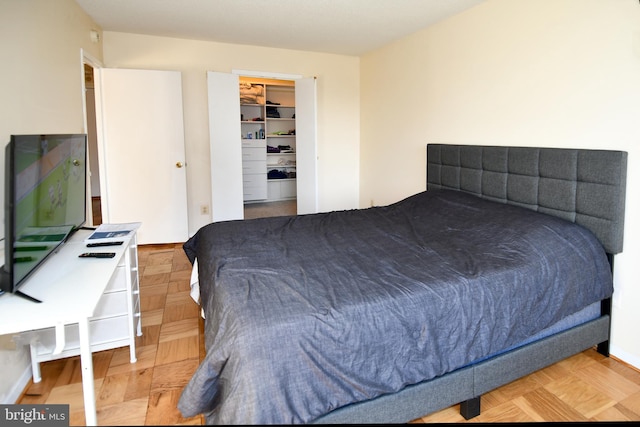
column 29, row 297
column 87, row 305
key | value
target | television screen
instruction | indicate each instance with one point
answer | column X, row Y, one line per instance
column 45, row 199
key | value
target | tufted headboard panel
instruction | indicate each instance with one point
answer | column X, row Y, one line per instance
column 583, row 186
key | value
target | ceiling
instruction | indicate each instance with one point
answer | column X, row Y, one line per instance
column 346, row 27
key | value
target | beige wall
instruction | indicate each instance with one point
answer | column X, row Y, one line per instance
column 338, row 88
column 556, row 73
column 41, row 72
column 40, row 82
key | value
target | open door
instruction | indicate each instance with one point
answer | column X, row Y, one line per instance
column 226, row 151
column 307, row 157
column 140, row 134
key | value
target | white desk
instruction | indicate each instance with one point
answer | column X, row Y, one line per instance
column 70, row 289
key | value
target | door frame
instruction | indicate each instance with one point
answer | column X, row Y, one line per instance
column 94, row 63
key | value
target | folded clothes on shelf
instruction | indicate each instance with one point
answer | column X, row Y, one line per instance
column 277, row 174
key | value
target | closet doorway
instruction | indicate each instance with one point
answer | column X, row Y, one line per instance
column 268, row 135
column 234, row 127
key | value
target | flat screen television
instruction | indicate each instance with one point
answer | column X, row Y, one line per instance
column 45, row 200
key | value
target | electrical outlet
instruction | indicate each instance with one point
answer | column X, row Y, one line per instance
column 204, row 210
column 616, row 299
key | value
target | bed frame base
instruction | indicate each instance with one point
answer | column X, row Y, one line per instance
column 471, row 408
column 467, row 384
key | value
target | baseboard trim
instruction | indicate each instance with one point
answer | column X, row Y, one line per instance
column 18, row 388
column 625, row 357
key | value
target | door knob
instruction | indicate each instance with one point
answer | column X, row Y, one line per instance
column 179, row 164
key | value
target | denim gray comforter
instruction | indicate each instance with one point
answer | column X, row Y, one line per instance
column 308, row 313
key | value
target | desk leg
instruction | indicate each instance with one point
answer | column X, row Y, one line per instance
column 86, row 363
column 35, row 364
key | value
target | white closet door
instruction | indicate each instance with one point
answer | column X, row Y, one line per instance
column 306, row 151
column 141, row 152
column 226, row 150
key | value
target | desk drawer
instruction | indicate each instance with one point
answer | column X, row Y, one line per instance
column 254, row 187
column 254, row 154
column 252, row 167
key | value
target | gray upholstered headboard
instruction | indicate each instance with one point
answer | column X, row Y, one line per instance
column 583, row 186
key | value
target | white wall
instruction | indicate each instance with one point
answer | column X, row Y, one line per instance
column 553, row 73
column 40, row 82
column 338, row 88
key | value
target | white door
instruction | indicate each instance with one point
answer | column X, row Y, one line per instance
column 306, row 156
column 226, row 150
column 141, row 152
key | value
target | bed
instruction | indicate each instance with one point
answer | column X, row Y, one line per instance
column 383, row 315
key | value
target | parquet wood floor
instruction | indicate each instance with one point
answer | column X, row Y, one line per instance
column 586, row 387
